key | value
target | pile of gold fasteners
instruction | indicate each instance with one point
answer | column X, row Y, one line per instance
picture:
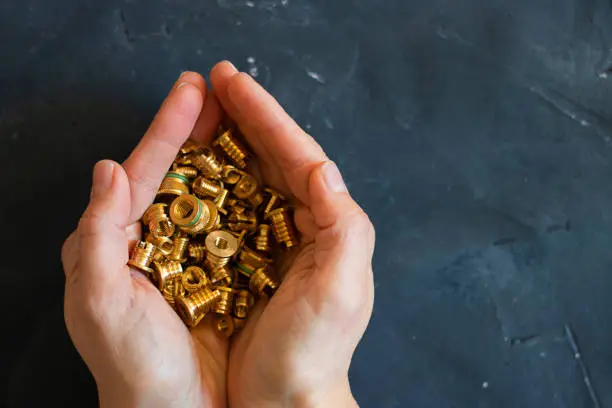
column 210, row 235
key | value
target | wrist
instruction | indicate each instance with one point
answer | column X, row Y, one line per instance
column 338, row 395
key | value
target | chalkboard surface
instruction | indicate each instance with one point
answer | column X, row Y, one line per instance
column 476, row 134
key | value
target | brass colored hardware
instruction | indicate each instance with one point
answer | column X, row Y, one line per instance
column 283, row 227
column 207, row 163
column 142, row 256
column 255, row 200
column 249, row 257
column 194, row 279
column 246, row 270
column 189, row 147
column 224, row 304
column 275, row 197
column 221, row 200
column 243, row 221
column 158, row 222
column 220, row 247
column 243, row 303
column 245, row 187
column 197, row 252
column 233, row 148
column 225, row 325
column 230, row 174
column 261, row 282
column 192, row 308
column 163, row 245
column 193, row 215
column 238, row 324
column 203, row 187
column 174, row 184
column 181, row 242
column 263, row 238
column 187, row 171
column 222, row 275
column 164, row 272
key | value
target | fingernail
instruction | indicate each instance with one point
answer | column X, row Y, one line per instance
column 182, row 84
column 102, row 177
column 231, row 65
column 333, row 178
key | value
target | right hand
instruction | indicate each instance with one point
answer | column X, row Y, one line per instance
column 296, row 350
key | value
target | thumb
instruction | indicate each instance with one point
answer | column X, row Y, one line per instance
column 344, row 244
column 103, row 249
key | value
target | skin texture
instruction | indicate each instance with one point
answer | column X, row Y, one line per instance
column 296, row 348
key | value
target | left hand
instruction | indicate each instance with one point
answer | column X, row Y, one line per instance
column 138, row 350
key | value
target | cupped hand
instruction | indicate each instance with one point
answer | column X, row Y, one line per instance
column 296, row 350
column 138, row 350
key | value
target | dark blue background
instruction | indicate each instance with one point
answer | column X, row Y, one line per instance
column 476, row 134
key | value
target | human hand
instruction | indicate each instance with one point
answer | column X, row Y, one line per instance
column 295, row 351
column 138, row 350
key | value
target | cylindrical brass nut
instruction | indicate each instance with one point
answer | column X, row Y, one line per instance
column 283, row 227
column 181, row 242
column 187, row 171
column 164, row 272
column 192, row 308
column 246, row 270
column 244, row 221
column 222, row 275
column 233, row 148
column 246, row 186
column 174, row 184
column 220, row 247
column 225, row 325
column 243, row 303
column 203, row 187
column 263, row 238
column 207, row 163
column 250, row 257
column 142, row 256
column 193, row 215
column 194, row 279
column 262, row 283
column 225, row 302
column 197, row 252
column 163, row 245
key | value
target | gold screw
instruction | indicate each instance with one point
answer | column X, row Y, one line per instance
column 246, row 186
column 192, row 308
column 187, row 171
column 164, row 272
column 197, row 252
column 204, row 187
column 233, row 148
column 174, row 184
column 222, row 275
column 225, row 325
column 142, row 256
column 181, row 242
column 243, row 303
column 189, row 147
column 263, row 238
column 262, row 283
column 243, row 221
column 283, row 227
column 207, row 163
column 194, row 279
column 193, row 215
column 224, row 304
column 275, row 197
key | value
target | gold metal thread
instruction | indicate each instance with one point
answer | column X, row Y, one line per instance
column 263, row 238
column 250, row 257
column 163, row 245
column 193, row 215
column 224, row 304
column 174, row 184
column 222, row 275
column 203, row 187
column 194, row 279
column 207, row 163
column 179, row 250
column 142, row 256
column 241, row 308
column 192, row 308
column 283, row 227
column 246, row 186
column 224, row 325
column 197, row 252
column 275, row 198
column 233, row 148
column 187, row 171
column 164, row 272
column 262, row 283
column 244, row 221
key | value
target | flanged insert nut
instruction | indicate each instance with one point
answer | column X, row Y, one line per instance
column 262, row 283
column 203, row 187
column 225, row 302
column 194, row 279
column 142, row 256
column 243, row 221
column 243, row 303
column 263, row 238
column 245, row 187
column 224, row 325
column 179, row 250
column 283, row 227
column 192, row 308
column 193, row 215
column 156, row 219
column 197, row 252
column 220, row 247
column 174, row 184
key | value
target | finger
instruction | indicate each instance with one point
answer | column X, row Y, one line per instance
column 268, row 128
column 103, row 242
column 345, row 243
column 172, row 125
column 208, row 122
